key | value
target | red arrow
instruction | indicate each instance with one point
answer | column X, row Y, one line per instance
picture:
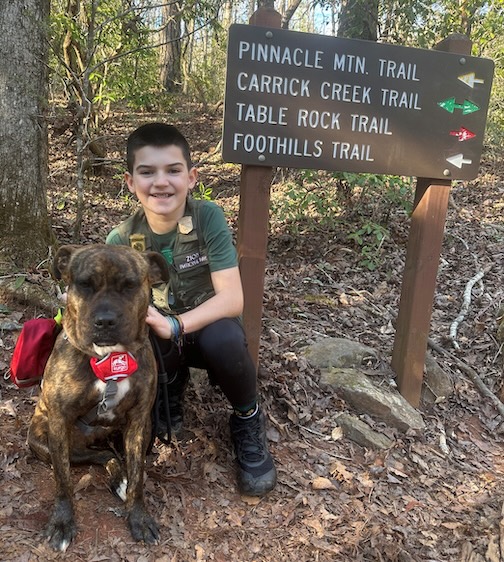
column 463, row 134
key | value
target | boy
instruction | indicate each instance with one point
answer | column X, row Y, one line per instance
column 205, row 291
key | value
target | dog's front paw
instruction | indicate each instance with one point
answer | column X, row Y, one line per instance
column 142, row 526
column 61, row 528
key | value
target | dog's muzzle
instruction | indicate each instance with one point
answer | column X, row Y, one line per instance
column 105, row 326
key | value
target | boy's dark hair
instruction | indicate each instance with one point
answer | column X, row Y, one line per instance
column 156, row 134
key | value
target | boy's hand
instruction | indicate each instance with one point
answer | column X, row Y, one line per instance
column 158, row 323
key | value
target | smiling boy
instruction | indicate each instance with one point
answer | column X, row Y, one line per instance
column 204, row 298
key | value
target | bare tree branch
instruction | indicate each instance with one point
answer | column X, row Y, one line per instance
column 473, row 376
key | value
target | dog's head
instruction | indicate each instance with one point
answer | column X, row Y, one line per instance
column 108, row 292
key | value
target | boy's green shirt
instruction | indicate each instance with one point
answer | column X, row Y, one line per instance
column 213, row 229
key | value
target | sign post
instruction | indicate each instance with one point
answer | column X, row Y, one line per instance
column 421, row 269
column 253, row 225
column 301, row 100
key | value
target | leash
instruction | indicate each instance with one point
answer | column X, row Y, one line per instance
column 162, row 391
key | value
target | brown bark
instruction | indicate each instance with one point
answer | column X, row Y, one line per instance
column 25, row 232
column 171, row 52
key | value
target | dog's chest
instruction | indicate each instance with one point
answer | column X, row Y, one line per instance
column 111, row 394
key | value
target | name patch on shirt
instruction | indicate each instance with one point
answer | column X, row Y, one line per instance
column 190, row 261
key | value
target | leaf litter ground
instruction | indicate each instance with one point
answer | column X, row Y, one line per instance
column 437, row 496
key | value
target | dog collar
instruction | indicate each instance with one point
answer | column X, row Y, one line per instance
column 114, row 366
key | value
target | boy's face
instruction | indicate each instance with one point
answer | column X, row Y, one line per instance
column 161, row 181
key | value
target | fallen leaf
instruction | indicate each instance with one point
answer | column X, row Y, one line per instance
column 397, row 472
column 339, row 471
column 365, row 480
column 8, row 407
column 213, row 471
column 211, row 523
column 200, row 552
column 451, row 525
column 321, row 483
column 412, row 504
column 235, row 518
column 273, row 434
column 250, row 500
column 83, row 483
column 336, row 433
column 315, row 525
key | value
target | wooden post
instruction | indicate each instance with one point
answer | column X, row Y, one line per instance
column 420, row 273
column 253, row 225
column 252, row 243
column 418, row 285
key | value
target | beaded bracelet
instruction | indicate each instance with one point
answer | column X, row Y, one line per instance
column 177, row 327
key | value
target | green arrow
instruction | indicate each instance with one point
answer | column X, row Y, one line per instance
column 466, row 107
column 469, row 107
column 448, row 104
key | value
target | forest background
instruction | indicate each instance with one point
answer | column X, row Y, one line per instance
column 75, row 78
column 69, row 62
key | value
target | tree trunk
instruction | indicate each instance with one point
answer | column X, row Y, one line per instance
column 25, row 233
column 467, row 11
column 227, row 14
column 73, row 51
column 289, row 12
column 171, row 68
column 358, row 19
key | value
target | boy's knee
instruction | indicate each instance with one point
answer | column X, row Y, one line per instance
column 223, row 336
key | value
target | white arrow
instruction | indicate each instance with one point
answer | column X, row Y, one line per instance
column 458, row 160
column 470, row 79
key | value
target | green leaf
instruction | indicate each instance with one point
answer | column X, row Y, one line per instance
column 19, row 281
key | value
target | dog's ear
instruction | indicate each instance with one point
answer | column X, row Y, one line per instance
column 62, row 259
column 158, row 268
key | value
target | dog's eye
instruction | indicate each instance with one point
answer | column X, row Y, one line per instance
column 84, row 284
column 129, row 285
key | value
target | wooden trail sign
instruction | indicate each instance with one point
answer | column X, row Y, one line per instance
column 421, row 113
column 301, row 100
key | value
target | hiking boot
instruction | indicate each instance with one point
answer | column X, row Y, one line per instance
column 256, row 471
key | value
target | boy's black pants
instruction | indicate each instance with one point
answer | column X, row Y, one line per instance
column 221, row 349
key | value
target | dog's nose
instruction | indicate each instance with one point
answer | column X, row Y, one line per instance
column 105, row 320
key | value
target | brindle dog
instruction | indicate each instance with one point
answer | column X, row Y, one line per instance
column 107, row 298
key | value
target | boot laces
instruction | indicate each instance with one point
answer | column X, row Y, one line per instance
column 249, row 442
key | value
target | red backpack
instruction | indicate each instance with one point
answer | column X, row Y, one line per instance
column 32, row 350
